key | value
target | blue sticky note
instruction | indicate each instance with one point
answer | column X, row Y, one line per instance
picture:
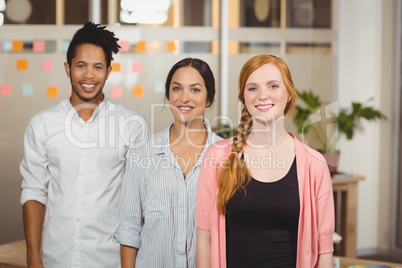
column 27, row 89
column 159, row 87
column 7, row 46
column 64, row 46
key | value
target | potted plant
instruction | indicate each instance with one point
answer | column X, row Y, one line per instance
column 325, row 125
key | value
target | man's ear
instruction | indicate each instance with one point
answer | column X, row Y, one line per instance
column 108, row 71
column 67, row 68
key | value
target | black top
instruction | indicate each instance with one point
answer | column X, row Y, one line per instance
column 262, row 226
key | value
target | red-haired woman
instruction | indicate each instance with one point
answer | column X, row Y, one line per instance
column 264, row 199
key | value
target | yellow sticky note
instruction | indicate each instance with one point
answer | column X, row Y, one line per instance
column 140, row 46
column 52, row 92
column 170, row 46
column 116, row 67
column 138, row 91
column 17, row 46
column 22, row 65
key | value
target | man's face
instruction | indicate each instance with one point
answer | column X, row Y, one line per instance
column 88, row 73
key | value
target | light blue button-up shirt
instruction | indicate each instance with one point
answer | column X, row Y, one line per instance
column 157, row 205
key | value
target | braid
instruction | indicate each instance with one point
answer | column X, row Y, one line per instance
column 234, row 174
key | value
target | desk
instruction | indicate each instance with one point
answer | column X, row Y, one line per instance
column 13, row 255
column 345, row 197
column 346, row 262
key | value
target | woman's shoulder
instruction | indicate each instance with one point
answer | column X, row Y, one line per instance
column 220, row 148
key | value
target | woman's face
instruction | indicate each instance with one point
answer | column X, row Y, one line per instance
column 187, row 95
column 265, row 94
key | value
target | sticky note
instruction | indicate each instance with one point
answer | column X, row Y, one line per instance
column 159, row 87
column 52, row 92
column 38, row 46
column 158, row 64
column 5, row 90
column 138, row 91
column 117, row 92
column 124, row 46
column 27, row 89
column 170, row 46
column 116, row 67
column 137, row 67
column 47, row 65
column 22, row 65
column 140, row 46
column 64, row 46
column 17, row 46
column 7, row 46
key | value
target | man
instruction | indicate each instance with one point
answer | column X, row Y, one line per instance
column 74, row 160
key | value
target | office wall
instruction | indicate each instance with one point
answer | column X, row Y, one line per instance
column 366, row 46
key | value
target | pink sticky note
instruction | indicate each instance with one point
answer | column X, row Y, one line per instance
column 137, row 67
column 117, row 92
column 5, row 90
column 47, row 65
column 124, row 46
column 38, row 46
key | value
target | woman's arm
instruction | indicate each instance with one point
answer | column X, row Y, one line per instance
column 203, row 254
column 128, row 256
column 325, row 261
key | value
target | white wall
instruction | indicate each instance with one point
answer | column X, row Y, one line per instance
column 365, row 71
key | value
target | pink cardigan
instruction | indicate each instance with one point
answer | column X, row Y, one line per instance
column 316, row 219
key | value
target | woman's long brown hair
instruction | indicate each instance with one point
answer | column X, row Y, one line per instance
column 234, row 174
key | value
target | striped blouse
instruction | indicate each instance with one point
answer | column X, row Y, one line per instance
column 157, row 205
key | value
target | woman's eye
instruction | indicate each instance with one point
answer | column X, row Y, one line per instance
column 252, row 89
column 274, row 86
column 196, row 90
column 175, row 88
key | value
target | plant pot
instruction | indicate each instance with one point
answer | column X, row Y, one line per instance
column 332, row 159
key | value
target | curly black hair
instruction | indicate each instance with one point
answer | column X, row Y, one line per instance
column 96, row 35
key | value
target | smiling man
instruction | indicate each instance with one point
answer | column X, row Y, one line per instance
column 75, row 154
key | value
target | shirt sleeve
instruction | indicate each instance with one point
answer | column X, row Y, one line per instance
column 206, row 189
column 34, row 166
column 135, row 130
column 325, row 211
column 131, row 202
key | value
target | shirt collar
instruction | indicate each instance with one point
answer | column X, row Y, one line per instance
column 95, row 114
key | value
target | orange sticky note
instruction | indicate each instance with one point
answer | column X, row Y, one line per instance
column 170, row 46
column 117, row 92
column 47, row 65
column 17, row 46
column 141, row 46
column 52, row 92
column 137, row 67
column 22, row 65
column 116, row 67
column 5, row 90
column 38, row 46
column 138, row 91
column 124, row 46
